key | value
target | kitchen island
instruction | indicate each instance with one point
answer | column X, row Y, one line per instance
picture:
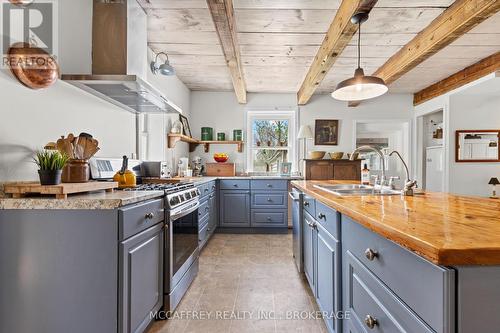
column 426, row 263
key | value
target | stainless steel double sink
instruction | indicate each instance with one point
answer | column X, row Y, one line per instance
column 355, row 190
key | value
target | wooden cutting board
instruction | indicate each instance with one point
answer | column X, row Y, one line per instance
column 61, row 191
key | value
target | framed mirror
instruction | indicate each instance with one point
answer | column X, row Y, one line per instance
column 477, row 146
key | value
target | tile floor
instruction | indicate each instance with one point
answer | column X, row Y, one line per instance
column 246, row 283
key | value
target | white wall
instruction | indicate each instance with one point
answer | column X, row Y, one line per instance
column 159, row 125
column 476, row 109
column 31, row 118
column 221, row 111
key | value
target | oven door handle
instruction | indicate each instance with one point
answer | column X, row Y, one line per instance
column 183, row 213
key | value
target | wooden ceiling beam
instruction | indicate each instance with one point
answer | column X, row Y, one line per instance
column 484, row 67
column 222, row 12
column 455, row 21
column 338, row 36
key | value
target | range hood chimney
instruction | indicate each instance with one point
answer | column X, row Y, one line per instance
column 120, row 59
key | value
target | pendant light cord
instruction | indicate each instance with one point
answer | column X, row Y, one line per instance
column 359, row 44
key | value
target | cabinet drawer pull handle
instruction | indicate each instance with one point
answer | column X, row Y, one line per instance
column 269, row 219
column 306, row 203
column 211, row 196
column 371, row 254
column 206, row 190
column 269, row 200
column 206, row 209
column 235, row 185
column 149, row 216
column 370, row 322
column 269, row 185
column 321, row 216
column 213, row 187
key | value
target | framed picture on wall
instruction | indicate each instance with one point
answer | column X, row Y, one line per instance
column 326, row 132
column 185, row 125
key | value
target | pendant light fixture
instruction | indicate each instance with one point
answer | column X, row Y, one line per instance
column 361, row 86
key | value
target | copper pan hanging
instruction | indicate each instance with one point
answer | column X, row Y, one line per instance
column 21, row 2
column 32, row 66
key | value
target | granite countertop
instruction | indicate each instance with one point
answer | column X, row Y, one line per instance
column 446, row 229
column 91, row 200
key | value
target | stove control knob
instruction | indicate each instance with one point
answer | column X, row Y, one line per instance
column 187, row 195
column 174, row 201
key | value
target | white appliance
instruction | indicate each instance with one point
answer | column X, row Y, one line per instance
column 434, row 166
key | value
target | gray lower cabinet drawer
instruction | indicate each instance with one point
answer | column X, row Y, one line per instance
column 234, row 184
column 139, row 217
column 329, row 218
column 203, row 236
column 426, row 288
column 203, row 210
column 372, row 306
column 207, row 188
column 269, row 199
column 204, row 189
column 269, row 184
column 310, row 205
column 269, row 218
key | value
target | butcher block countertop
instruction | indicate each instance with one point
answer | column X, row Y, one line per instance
column 446, row 229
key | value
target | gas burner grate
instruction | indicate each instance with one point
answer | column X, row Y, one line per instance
column 168, row 188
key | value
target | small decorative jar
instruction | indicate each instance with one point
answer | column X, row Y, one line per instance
column 76, row 171
column 221, row 136
column 207, row 134
column 237, row 135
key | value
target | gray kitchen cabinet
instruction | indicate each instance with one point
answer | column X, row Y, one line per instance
column 322, row 260
column 141, row 279
column 256, row 204
column 328, row 277
column 309, row 243
column 396, row 287
column 234, row 208
column 214, row 213
column 207, row 212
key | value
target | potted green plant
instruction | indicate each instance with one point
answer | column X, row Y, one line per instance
column 50, row 164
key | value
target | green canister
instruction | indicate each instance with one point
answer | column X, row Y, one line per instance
column 237, row 135
column 221, row 136
column 207, row 134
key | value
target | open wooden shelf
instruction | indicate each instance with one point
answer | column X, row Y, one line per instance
column 174, row 138
column 193, row 143
column 208, row 143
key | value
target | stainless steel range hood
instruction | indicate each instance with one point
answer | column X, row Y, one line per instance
column 120, row 60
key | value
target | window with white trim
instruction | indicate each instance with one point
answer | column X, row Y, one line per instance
column 271, row 137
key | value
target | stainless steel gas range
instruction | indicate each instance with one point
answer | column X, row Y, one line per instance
column 181, row 229
column 181, row 238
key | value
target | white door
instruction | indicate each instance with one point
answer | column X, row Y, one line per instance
column 434, row 169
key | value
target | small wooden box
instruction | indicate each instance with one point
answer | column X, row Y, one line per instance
column 221, row 169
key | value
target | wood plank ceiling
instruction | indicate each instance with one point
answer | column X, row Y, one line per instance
column 279, row 39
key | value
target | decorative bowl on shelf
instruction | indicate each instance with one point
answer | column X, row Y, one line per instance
column 336, row 155
column 316, row 155
column 221, row 157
